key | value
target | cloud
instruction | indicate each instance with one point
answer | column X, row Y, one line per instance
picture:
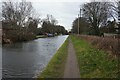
column 58, row 0
column 64, row 12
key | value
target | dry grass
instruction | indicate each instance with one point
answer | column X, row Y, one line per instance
column 108, row 44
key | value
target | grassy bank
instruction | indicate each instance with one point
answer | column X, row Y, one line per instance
column 41, row 36
column 55, row 67
column 94, row 63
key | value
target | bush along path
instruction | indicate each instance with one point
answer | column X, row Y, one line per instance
column 71, row 67
column 94, row 63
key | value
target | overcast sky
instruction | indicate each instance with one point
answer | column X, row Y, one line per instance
column 64, row 11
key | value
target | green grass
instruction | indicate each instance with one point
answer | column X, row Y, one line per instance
column 41, row 36
column 55, row 68
column 94, row 63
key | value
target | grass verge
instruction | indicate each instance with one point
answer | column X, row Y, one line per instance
column 55, row 68
column 94, row 63
column 41, row 36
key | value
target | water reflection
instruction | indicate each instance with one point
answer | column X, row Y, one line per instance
column 25, row 60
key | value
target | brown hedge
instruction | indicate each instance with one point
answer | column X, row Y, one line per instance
column 110, row 44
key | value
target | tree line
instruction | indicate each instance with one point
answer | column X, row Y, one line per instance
column 97, row 18
column 49, row 25
column 20, row 22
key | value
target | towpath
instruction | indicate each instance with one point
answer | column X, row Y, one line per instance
column 71, row 67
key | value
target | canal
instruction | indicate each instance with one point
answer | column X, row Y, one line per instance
column 27, row 59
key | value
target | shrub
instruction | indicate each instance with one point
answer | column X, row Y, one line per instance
column 106, row 43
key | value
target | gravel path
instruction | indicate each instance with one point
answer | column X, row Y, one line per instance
column 71, row 67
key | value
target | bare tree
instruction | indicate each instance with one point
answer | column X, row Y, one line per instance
column 116, row 12
column 25, row 11
column 114, row 9
column 16, row 11
column 97, row 13
column 50, row 19
column 53, row 20
column 119, row 16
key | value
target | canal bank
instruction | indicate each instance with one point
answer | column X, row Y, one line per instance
column 64, row 63
column 55, row 68
column 92, row 63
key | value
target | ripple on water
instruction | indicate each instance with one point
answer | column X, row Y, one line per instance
column 28, row 59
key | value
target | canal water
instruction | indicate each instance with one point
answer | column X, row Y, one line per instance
column 27, row 59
